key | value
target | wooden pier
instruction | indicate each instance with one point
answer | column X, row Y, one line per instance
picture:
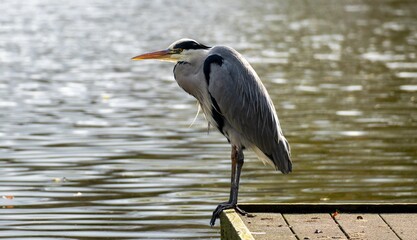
column 321, row 221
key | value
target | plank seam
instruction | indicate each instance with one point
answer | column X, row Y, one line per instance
column 340, row 226
column 392, row 229
column 288, row 224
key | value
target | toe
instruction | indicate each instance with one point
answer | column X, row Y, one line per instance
column 239, row 210
column 218, row 210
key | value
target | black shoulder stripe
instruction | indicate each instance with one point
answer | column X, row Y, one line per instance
column 217, row 114
column 207, row 65
column 269, row 156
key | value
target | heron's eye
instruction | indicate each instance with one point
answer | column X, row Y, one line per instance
column 177, row 50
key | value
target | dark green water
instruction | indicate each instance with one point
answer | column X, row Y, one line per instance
column 93, row 145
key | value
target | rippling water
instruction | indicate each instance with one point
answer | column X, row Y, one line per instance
column 93, row 145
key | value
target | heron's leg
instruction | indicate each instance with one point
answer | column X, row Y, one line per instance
column 234, row 188
column 237, row 163
column 240, row 161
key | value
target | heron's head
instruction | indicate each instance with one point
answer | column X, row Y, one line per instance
column 182, row 50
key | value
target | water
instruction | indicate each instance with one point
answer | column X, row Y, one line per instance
column 93, row 145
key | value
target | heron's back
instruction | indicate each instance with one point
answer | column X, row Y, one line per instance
column 249, row 116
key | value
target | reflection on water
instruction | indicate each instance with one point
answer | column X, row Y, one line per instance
column 93, row 145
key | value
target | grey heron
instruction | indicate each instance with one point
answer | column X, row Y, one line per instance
column 234, row 100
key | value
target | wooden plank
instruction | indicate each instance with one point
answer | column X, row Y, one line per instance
column 314, row 221
column 330, row 207
column 365, row 226
column 268, row 226
column 404, row 224
column 232, row 226
column 314, row 226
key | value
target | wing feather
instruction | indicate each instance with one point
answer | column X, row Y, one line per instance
column 247, row 107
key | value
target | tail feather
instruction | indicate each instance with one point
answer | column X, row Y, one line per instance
column 282, row 157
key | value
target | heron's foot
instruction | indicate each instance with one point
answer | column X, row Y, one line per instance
column 219, row 209
column 239, row 210
column 224, row 206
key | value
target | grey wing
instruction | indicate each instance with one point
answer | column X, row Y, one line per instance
column 246, row 106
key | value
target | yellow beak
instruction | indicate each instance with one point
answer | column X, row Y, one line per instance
column 163, row 55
